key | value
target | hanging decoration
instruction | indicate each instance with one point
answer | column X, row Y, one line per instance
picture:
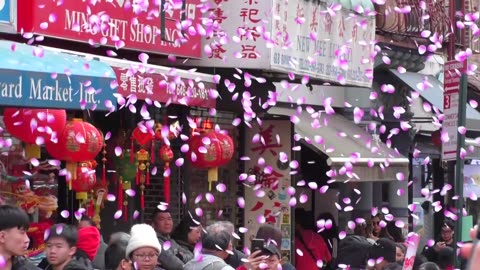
column 79, row 142
column 34, row 126
column 166, row 155
column 85, row 181
column 210, row 149
column 127, row 173
column 143, row 173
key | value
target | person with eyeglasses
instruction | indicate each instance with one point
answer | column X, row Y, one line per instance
column 143, row 247
column 445, row 240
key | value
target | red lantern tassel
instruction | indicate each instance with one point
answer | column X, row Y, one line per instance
column 148, row 177
column 91, row 209
column 125, row 213
column 104, row 175
column 166, row 185
column 132, row 154
column 152, row 152
column 120, row 194
column 142, row 201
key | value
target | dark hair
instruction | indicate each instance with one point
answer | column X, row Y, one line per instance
column 401, row 247
column 450, row 223
column 183, row 228
column 269, row 232
column 13, row 217
column 304, row 218
column 158, row 211
column 215, row 239
column 392, row 266
column 428, row 266
column 67, row 232
column 383, row 231
column 89, row 220
column 114, row 254
column 395, row 232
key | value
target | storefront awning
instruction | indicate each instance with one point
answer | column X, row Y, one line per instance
column 33, row 77
column 434, row 94
column 346, row 144
column 158, row 83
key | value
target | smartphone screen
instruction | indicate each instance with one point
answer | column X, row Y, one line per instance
column 257, row 244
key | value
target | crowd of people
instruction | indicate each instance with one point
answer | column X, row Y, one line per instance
column 191, row 246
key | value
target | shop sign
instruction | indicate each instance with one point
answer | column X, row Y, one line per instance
column 329, row 46
column 266, row 193
column 165, row 89
column 295, row 36
column 237, row 20
column 141, row 27
column 451, row 85
column 35, row 89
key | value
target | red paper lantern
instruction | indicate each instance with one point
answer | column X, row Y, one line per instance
column 34, row 126
column 166, row 155
column 210, row 150
column 86, row 180
column 79, row 141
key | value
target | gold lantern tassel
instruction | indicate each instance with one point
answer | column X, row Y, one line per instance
column 212, row 177
column 72, row 168
column 32, row 151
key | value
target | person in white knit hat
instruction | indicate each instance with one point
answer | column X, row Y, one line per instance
column 143, row 247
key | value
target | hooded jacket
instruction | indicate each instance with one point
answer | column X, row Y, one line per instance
column 208, row 262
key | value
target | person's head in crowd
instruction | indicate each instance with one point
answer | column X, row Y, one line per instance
column 446, row 257
column 14, row 223
column 304, row 220
column 328, row 233
column 383, row 252
column 217, row 241
column 400, row 252
column 119, row 237
column 61, row 245
column 189, row 231
column 392, row 266
column 428, row 266
column 116, row 257
column 272, row 257
column 377, row 230
column 447, row 231
column 395, row 232
column 361, row 229
column 89, row 241
column 270, row 234
column 143, row 247
column 162, row 221
column 86, row 222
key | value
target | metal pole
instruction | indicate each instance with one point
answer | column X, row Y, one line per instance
column 462, row 109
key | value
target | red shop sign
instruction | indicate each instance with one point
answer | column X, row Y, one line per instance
column 163, row 88
column 144, row 28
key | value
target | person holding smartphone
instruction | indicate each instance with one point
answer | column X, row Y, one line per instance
column 446, row 240
column 267, row 257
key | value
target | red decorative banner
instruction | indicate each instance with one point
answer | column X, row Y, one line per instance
column 115, row 23
column 163, row 88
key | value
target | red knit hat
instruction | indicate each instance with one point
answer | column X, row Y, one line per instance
column 89, row 241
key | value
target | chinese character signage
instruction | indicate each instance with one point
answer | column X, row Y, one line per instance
column 118, row 23
column 238, row 22
column 266, row 191
column 332, row 46
column 296, row 36
column 165, row 89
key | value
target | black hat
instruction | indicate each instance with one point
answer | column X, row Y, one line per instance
column 383, row 248
column 271, row 249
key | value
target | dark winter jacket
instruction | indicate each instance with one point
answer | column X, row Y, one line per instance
column 79, row 262
column 235, row 259
column 175, row 257
column 22, row 263
column 353, row 251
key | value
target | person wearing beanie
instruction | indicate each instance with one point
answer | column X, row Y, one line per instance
column 89, row 241
column 143, row 247
column 99, row 260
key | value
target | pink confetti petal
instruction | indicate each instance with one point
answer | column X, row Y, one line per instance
column 59, row 229
column 65, row 214
column 241, row 202
column 118, row 214
column 118, row 151
column 221, row 187
column 111, row 197
column 136, row 214
column 130, row 192
column 210, row 198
